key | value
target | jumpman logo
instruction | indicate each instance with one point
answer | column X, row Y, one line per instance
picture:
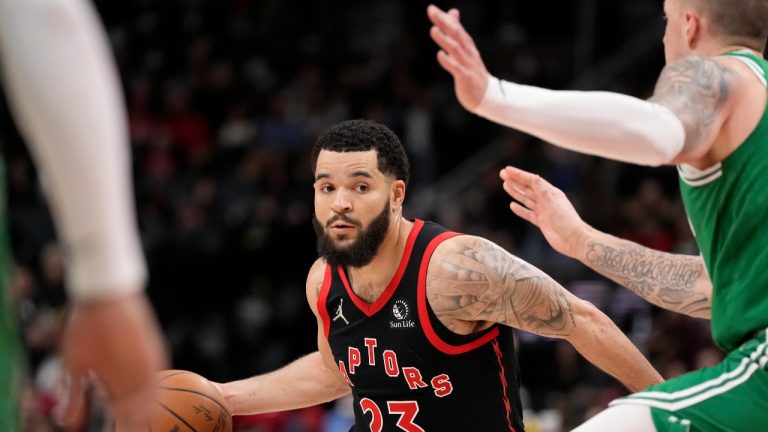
column 340, row 313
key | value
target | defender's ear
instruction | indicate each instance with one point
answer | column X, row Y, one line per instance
column 693, row 27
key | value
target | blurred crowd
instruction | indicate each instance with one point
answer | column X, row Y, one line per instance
column 225, row 99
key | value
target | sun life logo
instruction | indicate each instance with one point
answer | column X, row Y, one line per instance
column 401, row 310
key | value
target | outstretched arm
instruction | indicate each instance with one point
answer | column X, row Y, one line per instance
column 473, row 282
column 310, row 380
column 64, row 93
column 691, row 102
column 672, row 281
column 302, row 383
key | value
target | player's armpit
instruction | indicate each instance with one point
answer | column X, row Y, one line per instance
column 697, row 90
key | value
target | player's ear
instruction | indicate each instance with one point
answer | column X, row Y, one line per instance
column 692, row 28
column 397, row 195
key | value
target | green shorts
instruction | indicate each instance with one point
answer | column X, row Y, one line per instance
column 732, row 396
column 11, row 375
column 11, row 368
column 11, row 355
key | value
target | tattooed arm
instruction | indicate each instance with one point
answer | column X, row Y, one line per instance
column 473, row 283
column 675, row 282
column 672, row 281
column 697, row 90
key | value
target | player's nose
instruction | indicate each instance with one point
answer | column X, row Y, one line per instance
column 341, row 202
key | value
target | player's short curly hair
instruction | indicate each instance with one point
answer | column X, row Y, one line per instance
column 364, row 135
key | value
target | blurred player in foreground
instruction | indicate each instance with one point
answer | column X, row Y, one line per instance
column 64, row 93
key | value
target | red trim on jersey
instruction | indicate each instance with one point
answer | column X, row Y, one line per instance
column 503, row 377
column 426, row 325
column 322, row 298
column 370, row 309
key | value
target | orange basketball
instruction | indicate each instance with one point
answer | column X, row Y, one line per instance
column 186, row 401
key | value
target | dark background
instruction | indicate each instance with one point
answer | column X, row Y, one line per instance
column 225, row 99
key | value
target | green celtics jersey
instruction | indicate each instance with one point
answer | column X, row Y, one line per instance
column 11, row 366
column 727, row 205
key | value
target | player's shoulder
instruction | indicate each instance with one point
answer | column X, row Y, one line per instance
column 456, row 247
column 744, row 71
column 720, row 72
column 315, row 277
column 464, row 240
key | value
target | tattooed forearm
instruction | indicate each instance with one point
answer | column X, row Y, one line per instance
column 694, row 88
column 667, row 280
column 475, row 281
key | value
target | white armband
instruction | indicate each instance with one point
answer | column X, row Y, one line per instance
column 66, row 99
column 609, row 125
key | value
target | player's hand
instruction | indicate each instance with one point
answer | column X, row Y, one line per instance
column 119, row 342
column 459, row 56
column 547, row 207
column 223, row 396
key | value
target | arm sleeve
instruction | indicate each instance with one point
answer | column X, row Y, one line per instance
column 609, row 125
column 64, row 93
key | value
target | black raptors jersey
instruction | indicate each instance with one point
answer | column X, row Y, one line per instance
column 409, row 372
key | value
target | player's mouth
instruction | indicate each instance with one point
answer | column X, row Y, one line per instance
column 341, row 227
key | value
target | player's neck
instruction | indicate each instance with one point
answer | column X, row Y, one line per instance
column 385, row 263
column 716, row 48
column 731, row 48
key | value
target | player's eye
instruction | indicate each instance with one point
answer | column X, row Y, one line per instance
column 326, row 188
column 361, row 187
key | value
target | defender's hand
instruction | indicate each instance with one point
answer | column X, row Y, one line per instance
column 459, row 56
column 547, row 207
column 117, row 340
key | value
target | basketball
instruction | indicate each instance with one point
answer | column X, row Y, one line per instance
column 186, row 401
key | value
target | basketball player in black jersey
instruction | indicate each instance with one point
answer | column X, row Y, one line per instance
column 409, row 313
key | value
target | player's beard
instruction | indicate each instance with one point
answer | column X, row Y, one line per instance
column 362, row 250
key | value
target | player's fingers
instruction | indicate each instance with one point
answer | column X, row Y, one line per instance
column 450, row 64
column 511, row 184
column 520, row 195
column 441, row 39
column 460, row 34
column 434, row 13
column 70, row 412
column 519, row 176
column 524, row 213
column 448, row 24
column 449, row 45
